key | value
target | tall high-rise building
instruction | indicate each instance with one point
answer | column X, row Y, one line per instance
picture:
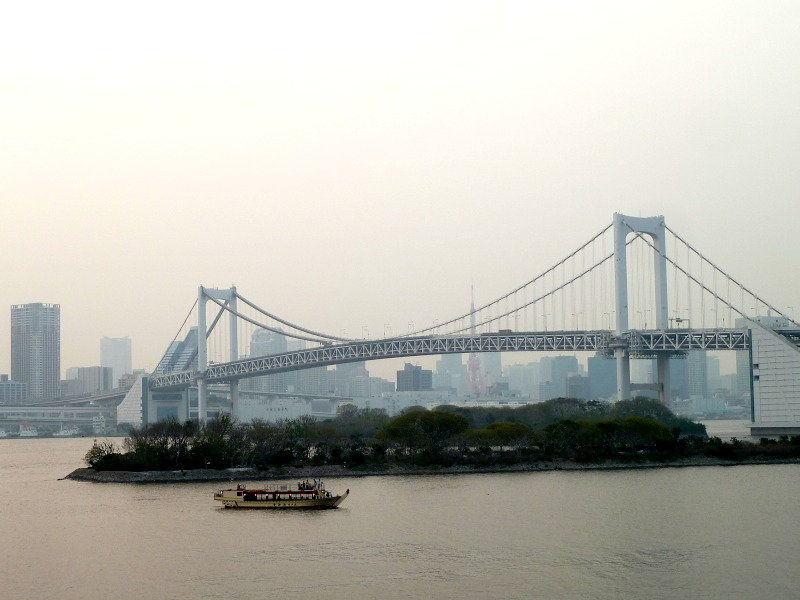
column 36, row 348
column 116, row 354
column 602, row 378
column 264, row 342
column 524, row 379
column 89, row 380
column 697, row 373
column 555, row 370
column 414, row 378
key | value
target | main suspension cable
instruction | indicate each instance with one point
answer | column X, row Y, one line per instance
column 292, row 325
column 525, row 285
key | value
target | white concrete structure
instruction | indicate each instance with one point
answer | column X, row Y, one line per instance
column 272, row 409
column 130, row 409
column 776, row 383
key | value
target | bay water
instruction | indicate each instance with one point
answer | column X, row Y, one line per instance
column 696, row 532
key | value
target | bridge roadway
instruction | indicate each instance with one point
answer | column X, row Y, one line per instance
column 640, row 343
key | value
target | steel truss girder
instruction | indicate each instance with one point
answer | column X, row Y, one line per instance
column 331, row 354
column 647, row 343
column 172, row 380
column 640, row 344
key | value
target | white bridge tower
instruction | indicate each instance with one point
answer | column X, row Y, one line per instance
column 229, row 298
column 655, row 228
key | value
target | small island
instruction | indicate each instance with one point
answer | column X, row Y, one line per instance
column 563, row 433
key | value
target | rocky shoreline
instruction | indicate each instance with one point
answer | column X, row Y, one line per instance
column 332, row 471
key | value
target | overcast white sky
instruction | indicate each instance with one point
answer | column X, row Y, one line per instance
column 360, row 163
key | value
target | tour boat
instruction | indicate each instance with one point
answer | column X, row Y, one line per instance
column 305, row 495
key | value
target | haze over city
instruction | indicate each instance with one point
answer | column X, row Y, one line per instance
column 361, row 164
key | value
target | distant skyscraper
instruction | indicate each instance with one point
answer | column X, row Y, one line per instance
column 116, row 354
column 524, row 379
column 413, row 378
column 492, row 367
column 36, row 348
column 450, row 372
column 450, row 363
column 602, row 378
column 264, row 342
column 90, row 380
column 697, row 373
column 554, row 371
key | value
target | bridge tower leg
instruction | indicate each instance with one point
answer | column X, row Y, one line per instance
column 229, row 297
column 202, row 357
column 234, row 385
column 656, row 229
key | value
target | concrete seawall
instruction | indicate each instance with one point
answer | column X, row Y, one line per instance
column 295, row 473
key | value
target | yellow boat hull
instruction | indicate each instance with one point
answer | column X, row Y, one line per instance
column 249, row 499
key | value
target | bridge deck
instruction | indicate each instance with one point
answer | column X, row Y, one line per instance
column 639, row 343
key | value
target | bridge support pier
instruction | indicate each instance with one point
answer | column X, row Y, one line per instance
column 234, row 352
column 623, row 374
column 202, row 401
column 202, row 357
column 662, row 366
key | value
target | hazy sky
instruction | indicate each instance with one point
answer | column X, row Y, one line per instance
column 353, row 164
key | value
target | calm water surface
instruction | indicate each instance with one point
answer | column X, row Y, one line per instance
column 712, row 532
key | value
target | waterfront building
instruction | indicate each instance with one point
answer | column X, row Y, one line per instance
column 130, row 410
column 36, row 348
column 12, row 392
column 115, row 353
column 775, row 369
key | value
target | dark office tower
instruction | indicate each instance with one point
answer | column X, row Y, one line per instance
column 36, row 348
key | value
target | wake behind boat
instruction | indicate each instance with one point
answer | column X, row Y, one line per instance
column 305, row 495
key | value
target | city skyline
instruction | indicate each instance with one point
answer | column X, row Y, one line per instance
column 230, row 151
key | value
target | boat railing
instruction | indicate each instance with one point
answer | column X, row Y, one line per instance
column 285, row 487
column 277, row 487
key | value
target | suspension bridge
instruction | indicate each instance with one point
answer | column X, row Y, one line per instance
column 635, row 290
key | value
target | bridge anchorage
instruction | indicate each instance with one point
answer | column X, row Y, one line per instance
column 618, row 295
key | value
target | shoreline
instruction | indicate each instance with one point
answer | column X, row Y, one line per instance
column 292, row 473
